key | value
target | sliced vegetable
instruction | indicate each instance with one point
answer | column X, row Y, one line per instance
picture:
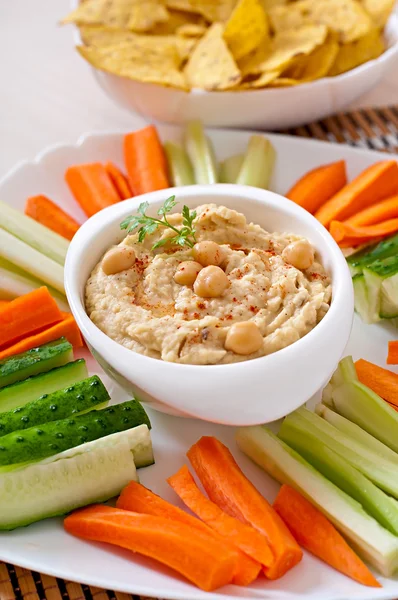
column 20, row 393
column 26, row 315
column 392, row 358
column 66, row 328
column 377, row 545
column 347, row 235
column 192, row 553
column 4, row 303
column 92, row 472
column 241, row 535
column 51, row 438
column 258, row 163
column 45, row 211
column 92, row 187
column 382, row 381
column 315, row 533
column 201, row 153
column 33, row 234
column 361, row 300
column 377, row 213
column 319, row 185
column 119, row 181
column 31, row 260
column 228, row 487
column 379, row 302
column 137, row 498
column 35, row 361
column 145, row 161
column 230, row 168
column 340, row 472
column 179, row 165
column 377, row 182
column 384, row 249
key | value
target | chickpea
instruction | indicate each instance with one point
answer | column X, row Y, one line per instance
column 300, row 254
column 208, row 253
column 244, row 338
column 211, row 282
column 187, row 272
column 118, row 259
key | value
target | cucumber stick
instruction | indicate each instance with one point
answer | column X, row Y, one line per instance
column 78, row 398
column 179, row 165
column 35, row 361
column 384, row 249
column 258, row 163
column 230, row 168
column 361, row 302
column 20, row 393
column 82, row 475
column 373, row 542
column 201, row 153
column 375, row 275
column 47, row 439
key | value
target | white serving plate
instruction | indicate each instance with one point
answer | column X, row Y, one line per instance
column 45, row 547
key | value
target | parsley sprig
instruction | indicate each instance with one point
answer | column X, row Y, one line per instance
column 147, row 225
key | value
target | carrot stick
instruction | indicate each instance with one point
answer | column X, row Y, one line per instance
column 44, row 211
column 241, row 535
column 392, row 358
column 317, row 186
column 228, row 487
column 25, row 315
column 196, row 555
column 119, row 181
column 92, row 187
column 382, row 211
column 66, row 328
column 4, row 303
column 375, row 183
column 343, row 232
column 315, row 533
column 137, row 498
column 382, row 381
column 145, row 161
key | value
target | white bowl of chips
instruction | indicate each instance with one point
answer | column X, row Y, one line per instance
column 234, row 63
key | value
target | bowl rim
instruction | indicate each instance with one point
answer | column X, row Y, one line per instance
column 106, row 218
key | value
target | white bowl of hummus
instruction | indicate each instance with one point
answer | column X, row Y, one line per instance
column 234, row 308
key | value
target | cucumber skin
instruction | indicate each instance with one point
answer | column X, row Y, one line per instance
column 383, row 249
column 48, row 439
column 35, row 361
column 21, row 392
column 80, row 397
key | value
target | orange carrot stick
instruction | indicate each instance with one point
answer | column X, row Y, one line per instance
column 145, row 161
column 4, row 303
column 119, row 181
column 196, row 555
column 377, row 213
column 44, row 211
column 375, row 183
column 92, row 187
column 228, row 487
column 319, row 185
column 342, row 231
column 137, row 498
column 25, row 315
column 66, row 328
column 392, row 358
column 241, row 535
column 382, row 381
column 315, row 533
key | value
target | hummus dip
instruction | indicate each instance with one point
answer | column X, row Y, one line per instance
column 145, row 310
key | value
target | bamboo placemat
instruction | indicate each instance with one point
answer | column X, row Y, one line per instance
column 372, row 128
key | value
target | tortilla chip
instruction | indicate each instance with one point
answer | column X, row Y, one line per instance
column 135, row 15
column 177, row 18
column 284, row 82
column 145, row 15
column 268, row 4
column 315, row 65
column 352, row 55
column 88, row 12
column 379, row 10
column 246, row 28
column 158, row 66
column 251, row 64
column 212, row 10
column 345, row 17
column 259, row 82
column 191, row 30
column 211, row 65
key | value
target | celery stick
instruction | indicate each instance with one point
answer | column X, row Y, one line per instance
column 34, row 234
column 373, row 542
column 357, row 433
column 258, row 163
column 230, row 168
column 201, row 153
column 25, row 257
column 341, row 473
column 180, row 167
column 382, row 472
